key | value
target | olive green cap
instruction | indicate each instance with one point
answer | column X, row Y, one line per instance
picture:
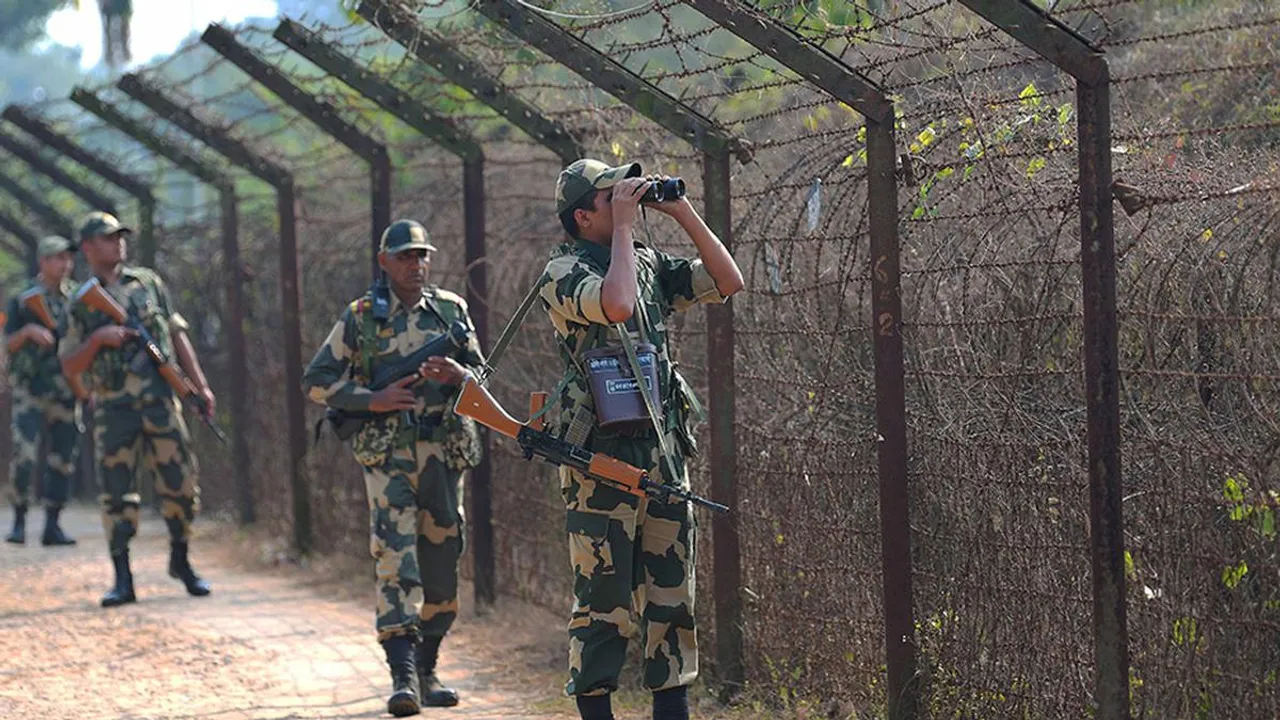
column 585, row 175
column 101, row 223
column 52, row 245
column 405, row 235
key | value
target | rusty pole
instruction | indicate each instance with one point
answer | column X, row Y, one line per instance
column 290, row 291
column 473, row 200
column 722, row 400
column 1076, row 56
column 1102, row 385
column 212, row 175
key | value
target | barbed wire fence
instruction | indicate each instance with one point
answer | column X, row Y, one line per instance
column 992, row 326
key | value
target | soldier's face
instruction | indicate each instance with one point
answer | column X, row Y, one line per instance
column 56, row 267
column 105, row 249
column 596, row 224
column 406, row 271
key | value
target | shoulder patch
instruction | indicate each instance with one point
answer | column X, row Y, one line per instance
column 449, row 296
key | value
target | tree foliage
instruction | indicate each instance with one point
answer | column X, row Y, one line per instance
column 22, row 21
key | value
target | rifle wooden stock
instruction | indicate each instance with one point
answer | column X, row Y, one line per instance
column 97, row 298
column 476, row 403
column 618, row 472
column 33, row 301
column 537, row 401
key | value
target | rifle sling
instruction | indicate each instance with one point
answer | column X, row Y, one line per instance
column 629, row 348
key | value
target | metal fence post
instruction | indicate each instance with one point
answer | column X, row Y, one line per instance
column 1073, row 54
column 28, row 155
column 213, row 176
column 290, row 290
column 722, row 395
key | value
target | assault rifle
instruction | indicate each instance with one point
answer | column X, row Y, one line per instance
column 476, row 403
column 447, row 344
column 96, row 297
column 33, row 301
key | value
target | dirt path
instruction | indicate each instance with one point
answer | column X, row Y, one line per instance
column 266, row 644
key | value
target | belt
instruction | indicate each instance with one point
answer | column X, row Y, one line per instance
column 427, row 425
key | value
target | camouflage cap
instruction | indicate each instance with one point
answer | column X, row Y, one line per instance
column 100, row 223
column 586, row 175
column 52, row 245
column 405, row 235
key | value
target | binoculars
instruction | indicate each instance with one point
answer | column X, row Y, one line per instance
column 664, row 191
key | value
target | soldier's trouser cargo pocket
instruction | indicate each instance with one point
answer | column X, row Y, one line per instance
column 633, row 578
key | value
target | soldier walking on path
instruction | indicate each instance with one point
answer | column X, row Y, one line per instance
column 138, row 418
column 44, row 408
column 413, row 450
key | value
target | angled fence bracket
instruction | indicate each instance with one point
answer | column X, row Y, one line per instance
column 324, row 116
column 60, row 143
column 54, row 220
column 466, row 73
column 26, row 235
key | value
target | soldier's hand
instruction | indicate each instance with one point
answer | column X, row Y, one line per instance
column 113, row 336
column 394, row 397
column 444, row 370
column 39, row 335
column 626, row 198
column 210, row 402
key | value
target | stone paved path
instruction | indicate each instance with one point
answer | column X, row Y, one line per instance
column 264, row 645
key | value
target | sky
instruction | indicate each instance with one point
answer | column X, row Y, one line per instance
column 158, row 25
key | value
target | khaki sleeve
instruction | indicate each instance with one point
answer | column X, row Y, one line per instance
column 572, row 291
column 685, row 282
column 326, row 378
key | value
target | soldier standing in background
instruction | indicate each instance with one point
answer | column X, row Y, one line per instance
column 413, row 454
column 631, row 556
column 138, row 415
column 43, row 405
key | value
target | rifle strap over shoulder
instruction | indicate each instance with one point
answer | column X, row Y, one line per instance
column 624, row 336
column 367, row 340
column 509, row 332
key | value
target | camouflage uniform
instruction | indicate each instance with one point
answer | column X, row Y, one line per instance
column 412, row 470
column 630, row 556
column 138, row 418
column 42, row 404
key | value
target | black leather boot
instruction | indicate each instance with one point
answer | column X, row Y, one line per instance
column 404, row 676
column 671, row 704
column 19, row 534
column 53, row 534
column 123, row 591
column 434, row 693
column 180, row 568
column 595, row 707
